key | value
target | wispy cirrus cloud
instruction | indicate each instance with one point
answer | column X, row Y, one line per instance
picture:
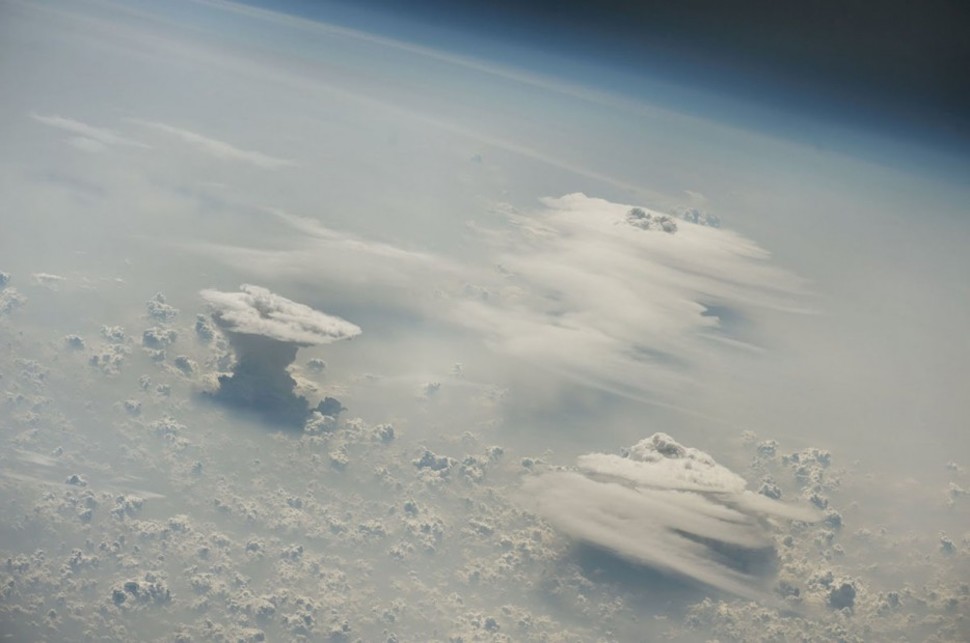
column 88, row 137
column 217, row 148
column 576, row 288
column 587, row 292
column 320, row 253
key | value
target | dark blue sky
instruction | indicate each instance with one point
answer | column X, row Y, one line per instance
column 895, row 68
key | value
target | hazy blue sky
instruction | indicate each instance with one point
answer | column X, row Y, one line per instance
column 896, row 69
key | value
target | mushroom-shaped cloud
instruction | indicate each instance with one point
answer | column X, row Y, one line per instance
column 669, row 507
column 265, row 331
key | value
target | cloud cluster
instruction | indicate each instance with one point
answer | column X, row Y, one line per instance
column 668, row 507
column 640, row 218
column 389, row 274
column 596, row 291
column 695, row 215
column 580, row 287
column 10, row 298
column 278, row 538
column 265, row 331
column 159, row 309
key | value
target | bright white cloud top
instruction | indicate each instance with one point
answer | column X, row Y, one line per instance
column 669, row 507
column 257, row 311
column 623, row 298
column 591, row 291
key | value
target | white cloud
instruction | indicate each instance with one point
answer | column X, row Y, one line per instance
column 628, row 309
column 572, row 288
column 257, row 311
column 668, row 507
column 10, row 300
column 88, row 137
column 387, row 275
column 317, row 231
column 47, row 280
column 265, row 331
column 219, row 149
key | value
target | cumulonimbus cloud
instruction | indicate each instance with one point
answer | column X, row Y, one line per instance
column 579, row 287
column 265, row 331
column 254, row 310
column 667, row 507
column 586, row 291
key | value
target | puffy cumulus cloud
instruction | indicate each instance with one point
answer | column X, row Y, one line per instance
column 159, row 309
column 158, row 338
column 668, row 507
column 10, row 300
column 620, row 297
column 114, row 334
column 203, row 329
column 265, row 331
column 74, row 342
column 109, row 358
column 640, row 218
column 357, row 515
column 700, row 217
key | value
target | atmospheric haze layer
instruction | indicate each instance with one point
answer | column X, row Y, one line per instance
column 514, row 357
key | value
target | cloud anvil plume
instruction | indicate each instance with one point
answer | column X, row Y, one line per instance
column 669, row 507
column 265, row 331
column 257, row 311
column 639, row 299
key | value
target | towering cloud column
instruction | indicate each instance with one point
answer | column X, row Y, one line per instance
column 265, row 331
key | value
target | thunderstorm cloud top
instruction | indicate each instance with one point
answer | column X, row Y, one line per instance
column 669, row 507
column 257, row 311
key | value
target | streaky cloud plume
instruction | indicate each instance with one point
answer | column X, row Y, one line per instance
column 667, row 507
column 394, row 276
column 641, row 298
column 88, row 136
column 218, row 149
column 636, row 296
